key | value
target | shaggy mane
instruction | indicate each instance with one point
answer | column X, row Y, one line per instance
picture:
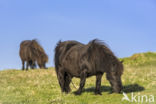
column 101, row 45
column 101, row 49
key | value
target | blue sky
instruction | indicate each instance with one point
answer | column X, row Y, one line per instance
column 127, row 26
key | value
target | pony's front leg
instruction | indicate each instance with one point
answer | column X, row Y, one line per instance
column 83, row 76
column 98, row 84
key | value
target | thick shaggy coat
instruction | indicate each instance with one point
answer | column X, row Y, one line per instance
column 74, row 59
column 30, row 52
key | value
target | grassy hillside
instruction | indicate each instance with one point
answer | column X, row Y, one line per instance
column 41, row 87
column 141, row 59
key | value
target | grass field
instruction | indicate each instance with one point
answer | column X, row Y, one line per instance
column 41, row 86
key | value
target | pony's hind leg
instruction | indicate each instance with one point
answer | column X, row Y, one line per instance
column 67, row 82
column 83, row 76
column 98, row 84
column 61, row 79
column 23, row 64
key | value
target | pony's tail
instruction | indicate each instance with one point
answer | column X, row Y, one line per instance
column 57, row 54
column 73, row 85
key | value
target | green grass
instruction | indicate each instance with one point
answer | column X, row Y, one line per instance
column 41, row 86
column 140, row 59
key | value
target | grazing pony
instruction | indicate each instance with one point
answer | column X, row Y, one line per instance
column 31, row 52
column 74, row 59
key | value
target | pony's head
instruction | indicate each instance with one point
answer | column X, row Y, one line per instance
column 114, row 76
column 42, row 60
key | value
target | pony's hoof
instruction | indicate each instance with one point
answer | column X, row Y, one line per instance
column 77, row 93
column 98, row 93
column 67, row 92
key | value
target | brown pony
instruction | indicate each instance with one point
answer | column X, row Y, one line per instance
column 31, row 51
column 74, row 59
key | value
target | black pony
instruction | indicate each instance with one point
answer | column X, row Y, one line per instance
column 74, row 59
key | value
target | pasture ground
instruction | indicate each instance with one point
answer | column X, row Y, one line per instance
column 41, row 86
